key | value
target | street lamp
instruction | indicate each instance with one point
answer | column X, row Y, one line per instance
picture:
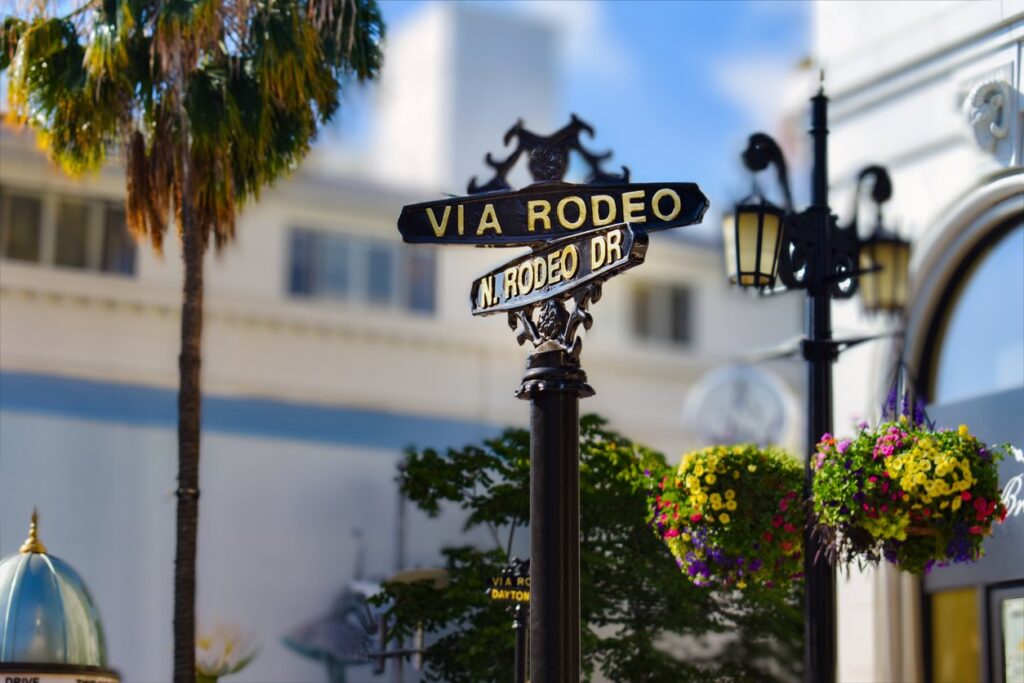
column 754, row 234
column 816, row 254
column 884, row 257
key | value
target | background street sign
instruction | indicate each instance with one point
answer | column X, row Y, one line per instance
column 558, row 268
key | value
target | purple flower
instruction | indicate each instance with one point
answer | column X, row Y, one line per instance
column 843, row 445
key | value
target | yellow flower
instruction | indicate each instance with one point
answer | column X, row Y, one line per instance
column 710, row 479
column 741, row 584
column 956, row 503
column 724, row 518
column 716, row 505
column 963, row 431
column 686, row 537
column 698, row 469
column 729, row 494
column 735, row 474
column 715, row 498
column 751, row 468
column 731, row 505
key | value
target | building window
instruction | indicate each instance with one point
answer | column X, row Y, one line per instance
column 976, row 327
column 83, row 233
column 325, row 265
column 663, row 313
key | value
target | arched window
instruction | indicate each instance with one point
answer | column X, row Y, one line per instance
column 979, row 345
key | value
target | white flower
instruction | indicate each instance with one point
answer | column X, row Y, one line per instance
column 223, row 650
column 1018, row 454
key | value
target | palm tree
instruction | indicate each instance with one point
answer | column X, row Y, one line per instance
column 207, row 101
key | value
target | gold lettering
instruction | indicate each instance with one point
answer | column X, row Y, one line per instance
column 597, row 252
column 614, row 246
column 540, row 273
column 677, row 204
column 439, row 229
column 569, row 270
column 462, row 219
column 509, row 289
column 525, row 278
column 595, row 203
column 538, row 210
column 581, row 208
column 553, row 274
column 488, row 220
column 632, row 210
column 486, row 292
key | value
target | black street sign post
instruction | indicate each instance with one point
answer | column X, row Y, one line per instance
column 513, row 587
column 580, row 235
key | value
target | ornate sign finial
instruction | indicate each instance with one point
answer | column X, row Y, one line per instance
column 548, row 157
column 32, row 544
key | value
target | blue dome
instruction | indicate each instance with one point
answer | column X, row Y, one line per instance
column 46, row 613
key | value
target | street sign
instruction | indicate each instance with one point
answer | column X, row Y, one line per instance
column 508, row 588
column 558, row 268
column 546, row 211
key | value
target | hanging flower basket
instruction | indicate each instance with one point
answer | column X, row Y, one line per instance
column 913, row 495
column 732, row 516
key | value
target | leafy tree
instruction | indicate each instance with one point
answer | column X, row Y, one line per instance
column 640, row 613
column 207, row 101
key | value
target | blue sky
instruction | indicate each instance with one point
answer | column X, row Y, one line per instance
column 673, row 88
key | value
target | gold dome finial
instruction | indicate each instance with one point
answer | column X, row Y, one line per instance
column 32, row 544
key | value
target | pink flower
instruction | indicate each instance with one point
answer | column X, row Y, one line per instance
column 671, row 533
column 843, row 445
column 696, row 517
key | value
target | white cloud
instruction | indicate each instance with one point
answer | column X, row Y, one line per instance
column 764, row 87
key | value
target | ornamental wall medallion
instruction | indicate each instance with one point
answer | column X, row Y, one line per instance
column 988, row 109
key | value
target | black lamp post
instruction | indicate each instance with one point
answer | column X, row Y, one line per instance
column 809, row 250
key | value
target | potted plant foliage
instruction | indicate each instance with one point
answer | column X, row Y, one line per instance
column 732, row 516
column 908, row 493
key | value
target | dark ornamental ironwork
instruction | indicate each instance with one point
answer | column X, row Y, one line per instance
column 580, row 235
column 548, row 157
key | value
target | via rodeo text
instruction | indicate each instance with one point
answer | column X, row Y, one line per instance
column 558, row 268
column 544, row 212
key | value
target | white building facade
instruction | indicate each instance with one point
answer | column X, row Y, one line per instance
column 932, row 91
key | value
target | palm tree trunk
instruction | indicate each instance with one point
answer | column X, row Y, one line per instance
column 193, row 248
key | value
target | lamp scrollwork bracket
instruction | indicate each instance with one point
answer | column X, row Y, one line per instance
column 819, row 254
